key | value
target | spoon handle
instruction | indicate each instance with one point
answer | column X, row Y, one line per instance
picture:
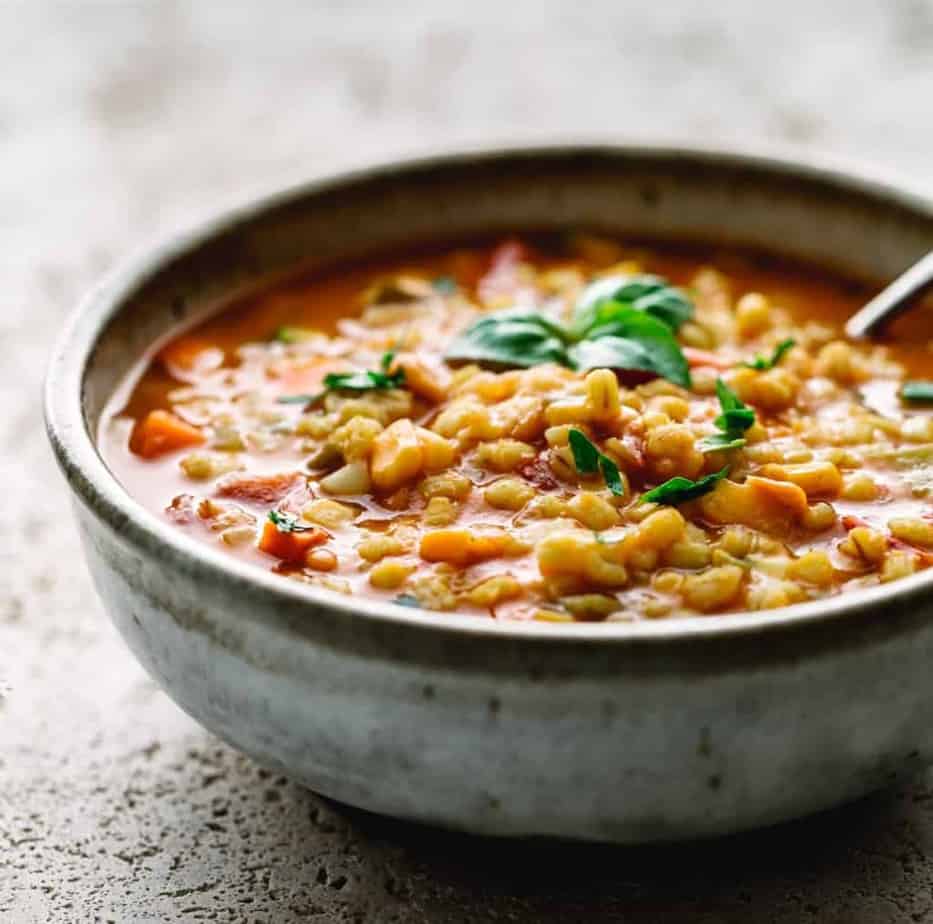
column 891, row 301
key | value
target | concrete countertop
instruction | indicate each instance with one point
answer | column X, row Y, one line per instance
column 120, row 122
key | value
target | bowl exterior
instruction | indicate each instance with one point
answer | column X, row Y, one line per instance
column 610, row 745
column 614, row 733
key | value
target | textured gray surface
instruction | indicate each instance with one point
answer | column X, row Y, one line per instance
column 120, row 122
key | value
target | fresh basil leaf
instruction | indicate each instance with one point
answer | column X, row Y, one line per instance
column 734, row 420
column 660, row 355
column 606, row 334
column 735, row 415
column 588, row 460
column 585, row 454
column 917, row 391
column 515, row 337
column 387, row 359
column 763, row 363
column 611, row 475
column 679, row 490
column 652, row 295
column 719, row 442
column 288, row 522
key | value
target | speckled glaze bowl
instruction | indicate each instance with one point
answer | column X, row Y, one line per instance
column 617, row 732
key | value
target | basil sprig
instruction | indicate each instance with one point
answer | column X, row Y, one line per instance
column 514, row 337
column 734, row 420
column 679, row 490
column 917, row 390
column 763, row 363
column 605, row 332
column 354, row 381
column 288, row 522
column 589, row 460
column 650, row 294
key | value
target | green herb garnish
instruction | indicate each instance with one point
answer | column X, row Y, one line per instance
column 734, row 420
column 294, row 334
column 917, row 391
column 606, row 332
column 763, row 363
column 354, row 381
column 650, row 294
column 445, row 285
column 589, row 460
column 679, row 490
column 514, row 337
column 288, row 522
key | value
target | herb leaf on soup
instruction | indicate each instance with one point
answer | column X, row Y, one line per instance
column 917, row 390
column 604, row 333
column 629, row 340
column 288, row 522
column 763, row 363
column 679, row 490
column 734, row 420
column 354, row 381
column 514, row 337
column 651, row 295
column 589, row 460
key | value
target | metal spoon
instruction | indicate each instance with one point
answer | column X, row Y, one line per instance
column 890, row 302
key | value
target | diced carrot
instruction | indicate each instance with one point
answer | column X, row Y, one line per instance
column 259, row 489
column 461, row 547
column 160, row 432
column 191, row 356
column 290, row 546
column 696, row 358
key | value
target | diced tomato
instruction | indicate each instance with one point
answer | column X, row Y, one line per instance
column 265, row 490
column 539, row 473
column 696, row 358
column 290, row 546
column 160, row 432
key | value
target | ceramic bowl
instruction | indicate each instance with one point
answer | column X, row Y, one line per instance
column 617, row 732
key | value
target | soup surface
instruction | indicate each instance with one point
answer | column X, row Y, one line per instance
column 561, row 428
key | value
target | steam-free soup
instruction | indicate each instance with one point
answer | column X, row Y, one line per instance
column 559, row 428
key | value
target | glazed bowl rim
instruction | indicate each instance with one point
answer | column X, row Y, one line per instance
column 97, row 488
